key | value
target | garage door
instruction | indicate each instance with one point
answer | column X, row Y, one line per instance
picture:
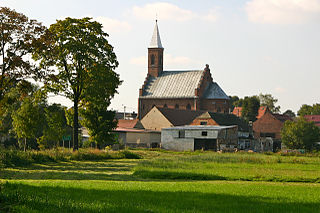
column 205, row 144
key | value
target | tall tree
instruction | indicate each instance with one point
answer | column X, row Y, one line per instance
column 17, row 37
column 74, row 47
column 234, row 101
column 300, row 135
column 269, row 101
column 101, row 87
column 250, row 107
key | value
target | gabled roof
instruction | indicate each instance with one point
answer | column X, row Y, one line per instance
column 229, row 120
column 129, row 124
column 213, row 91
column 179, row 117
column 155, row 40
column 173, row 84
column 313, row 118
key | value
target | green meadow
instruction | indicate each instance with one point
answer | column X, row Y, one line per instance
column 165, row 182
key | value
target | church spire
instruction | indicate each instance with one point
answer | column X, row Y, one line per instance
column 155, row 41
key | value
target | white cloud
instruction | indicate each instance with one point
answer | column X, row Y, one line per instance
column 282, row 11
column 280, row 90
column 169, row 60
column 171, row 12
column 113, row 25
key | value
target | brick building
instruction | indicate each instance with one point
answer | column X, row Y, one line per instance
column 184, row 89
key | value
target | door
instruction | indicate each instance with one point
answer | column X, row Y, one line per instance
column 205, row 144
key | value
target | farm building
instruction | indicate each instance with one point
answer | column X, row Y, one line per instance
column 190, row 138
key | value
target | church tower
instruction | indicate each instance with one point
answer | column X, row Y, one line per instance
column 155, row 54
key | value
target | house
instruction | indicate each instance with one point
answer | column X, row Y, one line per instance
column 138, row 138
column 237, row 111
column 158, row 118
column 183, row 89
column 245, row 136
column 131, row 133
column 313, row 118
column 270, row 125
column 191, row 138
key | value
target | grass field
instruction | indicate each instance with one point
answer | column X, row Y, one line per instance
column 117, row 186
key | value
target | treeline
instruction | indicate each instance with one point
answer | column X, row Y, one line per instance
column 71, row 58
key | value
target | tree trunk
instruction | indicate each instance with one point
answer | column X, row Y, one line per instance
column 75, row 124
column 25, row 145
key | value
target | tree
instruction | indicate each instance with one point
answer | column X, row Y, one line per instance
column 56, row 126
column 269, row 101
column 74, row 47
column 289, row 113
column 309, row 110
column 300, row 135
column 17, row 37
column 101, row 87
column 234, row 101
column 26, row 120
column 250, row 107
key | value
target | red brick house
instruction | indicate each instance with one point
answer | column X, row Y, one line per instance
column 313, row 118
column 269, row 125
column 183, row 89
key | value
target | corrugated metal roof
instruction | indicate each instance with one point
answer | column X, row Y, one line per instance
column 155, row 40
column 173, row 84
column 213, row 91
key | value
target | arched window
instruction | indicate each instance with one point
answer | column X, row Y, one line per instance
column 188, row 107
column 176, row 106
column 152, row 59
column 165, row 106
column 160, row 59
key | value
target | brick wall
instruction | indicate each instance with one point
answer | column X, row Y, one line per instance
column 214, row 105
column 267, row 124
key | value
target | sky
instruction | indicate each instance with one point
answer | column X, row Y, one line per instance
column 252, row 46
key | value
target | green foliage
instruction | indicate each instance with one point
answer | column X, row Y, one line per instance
column 234, row 102
column 250, row 107
column 269, row 101
column 289, row 113
column 17, row 37
column 26, row 120
column 300, row 134
column 309, row 110
column 79, row 49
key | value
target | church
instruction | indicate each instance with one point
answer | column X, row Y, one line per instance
column 183, row 89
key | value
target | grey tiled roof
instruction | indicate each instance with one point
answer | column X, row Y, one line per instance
column 173, row 84
column 155, row 40
column 213, row 91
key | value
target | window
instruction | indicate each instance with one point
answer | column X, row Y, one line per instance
column 219, row 109
column 165, row 106
column 188, row 107
column 176, row 106
column 152, row 59
column 203, row 123
column 153, row 105
column 160, row 59
column 267, row 134
column 204, row 133
column 181, row 133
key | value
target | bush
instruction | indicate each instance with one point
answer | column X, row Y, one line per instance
column 130, row 155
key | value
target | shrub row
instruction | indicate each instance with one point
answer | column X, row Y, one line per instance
column 12, row 158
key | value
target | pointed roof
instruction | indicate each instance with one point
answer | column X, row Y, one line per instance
column 155, row 41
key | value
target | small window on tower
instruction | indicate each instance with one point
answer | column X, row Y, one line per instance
column 152, row 59
column 160, row 59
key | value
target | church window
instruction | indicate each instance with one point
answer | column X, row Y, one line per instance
column 176, row 106
column 152, row 59
column 160, row 59
column 219, row 109
column 188, row 107
column 165, row 106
